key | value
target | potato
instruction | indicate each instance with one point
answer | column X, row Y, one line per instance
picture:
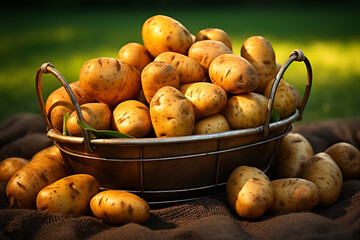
column 43, row 169
column 97, row 115
column 214, row 34
column 347, row 157
column 162, row 33
column 212, row 124
column 119, row 207
column 245, row 110
column 48, row 151
column 172, row 114
column 59, row 103
column 204, row 52
column 233, row 73
column 208, row 99
column 11, row 165
column 157, row 75
column 70, row 195
column 296, row 95
column 188, row 69
column 132, row 117
column 260, row 53
column 135, row 55
column 322, row 170
column 291, row 155
column 294, row 195
column 249, row 192
column 109, row 80
column 283, row 100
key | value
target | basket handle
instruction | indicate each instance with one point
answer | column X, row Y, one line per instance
column 296, row 55
column 49, row 68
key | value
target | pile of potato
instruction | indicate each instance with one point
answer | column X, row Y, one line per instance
column 176, row 84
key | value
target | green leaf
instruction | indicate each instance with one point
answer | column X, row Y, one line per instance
column 275, row 115
column 66, row 117
column 102, row 133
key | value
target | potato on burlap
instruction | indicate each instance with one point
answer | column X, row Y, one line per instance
column 11, row 165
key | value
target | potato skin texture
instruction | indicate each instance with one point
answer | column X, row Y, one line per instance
column 322, row 170
column 97, row 115
column 41, row 171
column 296, row 95
column 347, row 157
column 119, row 207
column 245, row 110
column 212, row 124
column 208, row 99
column 188, row 69
column 294, row 195
column 249, row 192
column 9, row 166
column 291, row 155
column 214, row 34
column 260, row 53
column 233, row 73
column 172, row 114
column 157, row 75
column 162, row 33
column 109, row 80
column 132, row 117
column 135, row 55
column 70, row 195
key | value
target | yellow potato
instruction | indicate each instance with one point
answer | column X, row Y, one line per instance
column 260, row 53
column 11, row 165
column 119, row 207
column 157, row 75
column 291, row 155
column 204, row 52
column 188, row 69
column 208, row 99
column 233, row 73
column 135, row 55
column 245, row 110
column 109, row 80
column 59, row 103
column 212, row 124
column 172, row 114
column 249, row 192
column 132, row 117
column 70, row 195
column 97, row 115
column 214, row 34
column 347, row 157
column 284, row 99
column 43, row 169
column 162, row 33
column 322, row 170
column 294, row 195
column 296, row 95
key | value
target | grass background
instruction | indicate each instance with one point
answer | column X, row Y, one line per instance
column 328, row 35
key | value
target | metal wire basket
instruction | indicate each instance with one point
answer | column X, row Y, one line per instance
column 174, row 169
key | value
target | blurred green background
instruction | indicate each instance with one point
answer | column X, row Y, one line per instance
column 67, row 33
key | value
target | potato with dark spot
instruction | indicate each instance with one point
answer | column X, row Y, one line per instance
column 162, row 33
column 294, row 195
column 245, row 110
column 347, row 157
column 119, row 207
column 70, row 195
column 233, row 73
column 322, row 170
column 110, row 80
column 43, row 169
column 132, row 117
column 172, row 114
column 207, row 98
column 188, row 69
column 157, row 75
column 249, row 192
column 212, row 124
column 11, row 165
column 135, row 55
column 97, row 115
column 214, row 34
